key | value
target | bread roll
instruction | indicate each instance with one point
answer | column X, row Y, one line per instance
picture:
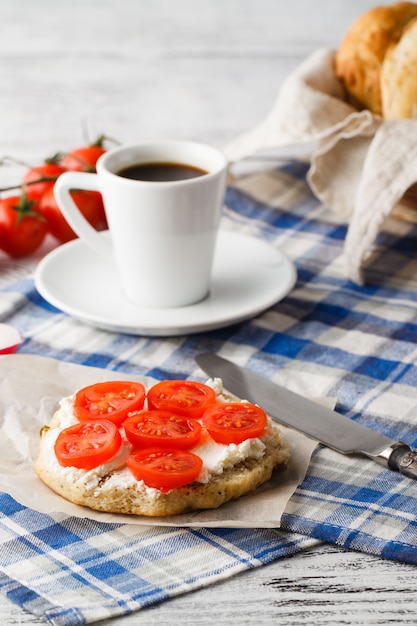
column 399, row 77
column 376, row 61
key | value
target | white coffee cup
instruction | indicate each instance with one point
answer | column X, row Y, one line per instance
column 162, row 234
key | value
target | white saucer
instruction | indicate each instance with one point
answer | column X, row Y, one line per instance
column 249, row 275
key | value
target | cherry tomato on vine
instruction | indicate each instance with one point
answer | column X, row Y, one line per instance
column 46, row 174
column 233, row 422
column 88, row 444
column 22, row 227
column 162, row 428
column 163, row 468
column 89, row 203
column 185, row 397
column 112, row 400
column 84, row 158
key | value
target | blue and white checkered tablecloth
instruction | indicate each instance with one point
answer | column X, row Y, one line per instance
column 328, row 337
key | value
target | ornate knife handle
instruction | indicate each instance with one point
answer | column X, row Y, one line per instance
column 404, row 460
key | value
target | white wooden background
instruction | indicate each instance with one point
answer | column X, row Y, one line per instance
column 205, row 70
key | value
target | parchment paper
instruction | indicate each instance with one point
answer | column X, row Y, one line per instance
column 30, row 389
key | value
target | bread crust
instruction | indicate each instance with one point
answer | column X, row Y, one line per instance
column 399, row 77
column 361, row 54
column 109, row 493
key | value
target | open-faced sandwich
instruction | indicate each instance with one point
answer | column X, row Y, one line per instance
column 179, row 446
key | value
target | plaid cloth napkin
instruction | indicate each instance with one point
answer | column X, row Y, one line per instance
column 328, row 337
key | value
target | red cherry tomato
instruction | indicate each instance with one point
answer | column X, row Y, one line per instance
column 162, row 428
column 233, row 422
column 22, row 227
column 89, row 203
column 185, row 397
column 46, row 174
column 112, row 401
column 84, row 159
column 88, row 444
column 165, row 469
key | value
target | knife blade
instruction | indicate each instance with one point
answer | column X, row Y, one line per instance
column 330, row 428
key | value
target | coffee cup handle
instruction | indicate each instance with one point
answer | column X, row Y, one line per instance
column 88, row 182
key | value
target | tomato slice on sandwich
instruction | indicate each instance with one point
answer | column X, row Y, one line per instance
column 87, row 445
column 162, row 428
column 185, row 397
column 112, row 401
column 233, row 422
column 164, row 468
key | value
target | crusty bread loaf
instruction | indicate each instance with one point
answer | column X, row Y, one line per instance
column 116, row 491
column 399, row 77
column 376, row 61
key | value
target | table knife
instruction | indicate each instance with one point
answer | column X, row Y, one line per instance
column 318, row 422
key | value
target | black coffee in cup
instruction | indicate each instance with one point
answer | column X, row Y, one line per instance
column 161, row 171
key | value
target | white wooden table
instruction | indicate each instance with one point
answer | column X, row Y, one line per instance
column 205, row 70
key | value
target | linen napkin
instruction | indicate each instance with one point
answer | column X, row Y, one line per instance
column 360, row 165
